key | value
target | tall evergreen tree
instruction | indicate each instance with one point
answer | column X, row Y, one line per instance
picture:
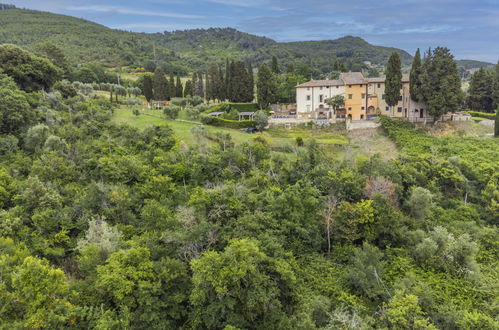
column 266, row 86
column 178, row 88
column 147, row 88
column 441, row 83
column 481, row 91
column 221, row 90
column 496, row 123
column 230, row 81
column 496, row 86
column 393, row 82
column 159, row 83
column 239, row 82
column 227, row 79
column 199, row 86
column 188, row 90
column 275, row 65
column 194, row 81
column 212, row 82
column 251, row 83
column 172, row 91
column 415, row 78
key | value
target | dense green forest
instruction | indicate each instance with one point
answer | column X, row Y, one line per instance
column 109, row 226
column 179, row 51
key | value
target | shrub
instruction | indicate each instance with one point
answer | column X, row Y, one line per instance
column 221, row 122
column 261, row 120
column 299, row 141
column 442, row 250
column 171, row 111
column 420, row 203
column 482, row 114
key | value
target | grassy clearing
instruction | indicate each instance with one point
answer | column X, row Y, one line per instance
column 276, row 137
column 367, row 142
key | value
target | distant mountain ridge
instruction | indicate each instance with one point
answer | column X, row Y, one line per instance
column 180, row 51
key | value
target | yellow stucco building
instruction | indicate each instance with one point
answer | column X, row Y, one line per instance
column 364, row 98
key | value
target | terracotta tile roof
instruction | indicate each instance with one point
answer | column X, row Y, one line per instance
column 319, row 83
column 352, row 78
column 348, row 78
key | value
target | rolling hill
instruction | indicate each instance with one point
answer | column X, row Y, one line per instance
column 178, row 51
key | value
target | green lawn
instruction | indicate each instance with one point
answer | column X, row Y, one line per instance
column 276, row 137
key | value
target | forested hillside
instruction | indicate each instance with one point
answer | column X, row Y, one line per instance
column 190, row 50
column 109, row 226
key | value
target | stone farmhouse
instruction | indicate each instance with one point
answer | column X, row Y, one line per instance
column 364, row 99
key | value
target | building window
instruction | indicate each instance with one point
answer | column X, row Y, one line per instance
column 383, row 96
column 363, row 108
column 321, row 88
column 360, row 85
column 327, row 86
column 308, row 108
column 349, row 86
column 308, row 88
column 321, row 98
column 363, row 95
column 337, row 86
column 416, row 110
column 350, row 96
column 387, row 108
column 349, row 109
column 399, row 109
column 379, row 85
column 400, row 98
column 308, row 97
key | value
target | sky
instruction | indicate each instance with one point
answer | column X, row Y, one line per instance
column 470, row 28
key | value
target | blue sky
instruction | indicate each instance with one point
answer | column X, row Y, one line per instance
column 470, row 28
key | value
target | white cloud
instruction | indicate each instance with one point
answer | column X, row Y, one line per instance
column 129, row 11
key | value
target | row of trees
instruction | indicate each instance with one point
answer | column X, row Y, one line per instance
column 483, row 93
column 434, row 80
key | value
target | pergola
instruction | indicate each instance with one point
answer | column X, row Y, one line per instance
column 246, row 115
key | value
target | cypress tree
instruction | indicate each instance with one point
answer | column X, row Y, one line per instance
column 496, row 86
column 188, row 88
column 159, row 83
column 415, row 78
column 230, row 81
column 266, row 86
column 481, row 91
column 275, row 65
column 251, row 84
column 496, row 124
column 227, row 80
column 172, row 89
column 221, row 85
column 178, row 88
column 199, row 86
column 212, row 82
column 147, row 88
column 209, row 88
column 393, row 82
column 441, row 83
column 194, row 83
column 240, row 81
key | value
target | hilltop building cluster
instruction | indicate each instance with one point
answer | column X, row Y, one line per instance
column 364, row 99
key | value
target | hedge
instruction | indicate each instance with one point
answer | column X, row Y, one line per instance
column 482, row 114
column 240, row 107
column 221, row 122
